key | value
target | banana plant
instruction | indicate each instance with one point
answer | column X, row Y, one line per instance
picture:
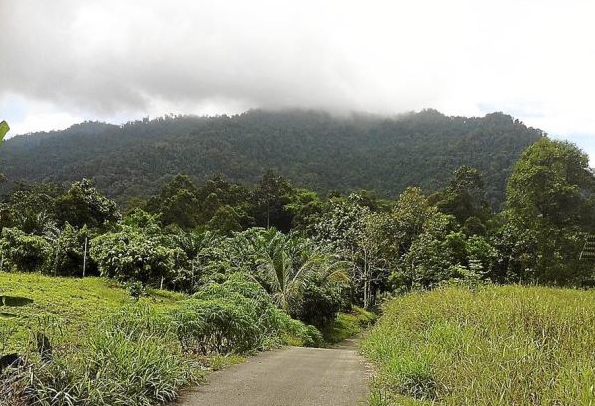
column 4, row 128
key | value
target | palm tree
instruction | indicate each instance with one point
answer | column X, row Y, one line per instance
column 286, row 263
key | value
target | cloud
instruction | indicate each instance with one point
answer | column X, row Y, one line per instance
column 123, row 58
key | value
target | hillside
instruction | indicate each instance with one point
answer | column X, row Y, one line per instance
column 312, row 149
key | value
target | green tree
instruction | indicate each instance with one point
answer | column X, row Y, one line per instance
column 365, row 239
column 177, row 203
column 133, row 255
column 270, row 198
column 552, row 183
column 31, row 208
column 84, row 205
column 286, row 264
column 551, row 194
column 225, row 221
column 68, row 246
column 433, row 253
column 463, row 197
column 410, row 213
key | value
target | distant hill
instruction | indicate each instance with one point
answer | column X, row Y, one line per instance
column 313, row 149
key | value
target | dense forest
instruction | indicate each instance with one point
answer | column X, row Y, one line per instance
column 313, row 150
column 208, row 267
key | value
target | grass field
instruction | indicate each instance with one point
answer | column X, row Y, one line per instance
column 508, row 345
column 69, row 305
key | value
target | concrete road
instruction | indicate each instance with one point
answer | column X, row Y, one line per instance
column 288, row 377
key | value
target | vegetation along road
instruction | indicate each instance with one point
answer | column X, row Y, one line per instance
column 293, row 376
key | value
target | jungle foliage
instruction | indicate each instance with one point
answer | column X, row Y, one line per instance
column 315, row 256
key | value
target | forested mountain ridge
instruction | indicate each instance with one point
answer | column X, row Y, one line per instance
column 313, row 149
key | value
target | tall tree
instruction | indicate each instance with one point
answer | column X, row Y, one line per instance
column 178, row 202
column 551, row 192
column 464, row 196
column 271, row 196
column 552, row 182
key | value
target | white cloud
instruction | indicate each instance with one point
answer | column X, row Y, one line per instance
column 112, row 59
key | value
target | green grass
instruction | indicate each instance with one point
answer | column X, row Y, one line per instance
column 347, row 325
column 68, row 304
column 219, row 362
column 508, row 345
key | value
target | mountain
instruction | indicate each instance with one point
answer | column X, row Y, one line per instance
column 313, row 149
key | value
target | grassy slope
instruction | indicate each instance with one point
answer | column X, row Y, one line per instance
column 506, row 345
column 70, row 305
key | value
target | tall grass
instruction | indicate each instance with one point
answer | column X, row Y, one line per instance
column 507, row 345
column 131, row 358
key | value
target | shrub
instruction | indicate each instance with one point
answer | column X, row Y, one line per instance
column 68, row 251
column 320, row 301
column 236, row 316
column 28, row 253
column 131, row 255
column 217, row 325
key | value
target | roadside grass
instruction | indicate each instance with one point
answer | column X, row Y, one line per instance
column 505, row 345
column 347, row 325
column 219, row 362
column 109, row 349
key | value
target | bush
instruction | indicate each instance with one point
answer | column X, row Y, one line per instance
column 68, row 251
column 236, row 316
column 320, row 301
column 131, row 255
column 217, row 325
column 22, row 252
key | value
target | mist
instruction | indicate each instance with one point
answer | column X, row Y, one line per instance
column 65, row 61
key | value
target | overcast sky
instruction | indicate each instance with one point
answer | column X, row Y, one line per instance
column 64, row 61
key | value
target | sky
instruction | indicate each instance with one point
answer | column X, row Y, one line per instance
column 66, row 61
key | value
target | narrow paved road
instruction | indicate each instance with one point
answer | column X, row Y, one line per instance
column 288, row 377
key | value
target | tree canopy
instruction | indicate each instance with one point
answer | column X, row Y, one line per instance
column 313, row 150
